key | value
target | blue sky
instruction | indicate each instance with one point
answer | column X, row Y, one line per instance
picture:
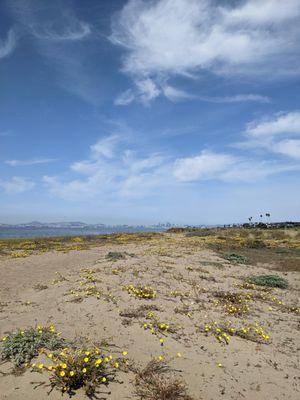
column 143, row 111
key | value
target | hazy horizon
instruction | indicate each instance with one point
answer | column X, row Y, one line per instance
column 139, row 112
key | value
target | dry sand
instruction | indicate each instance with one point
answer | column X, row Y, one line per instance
column 249, row 370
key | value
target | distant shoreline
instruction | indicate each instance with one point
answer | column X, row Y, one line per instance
column 38, row 232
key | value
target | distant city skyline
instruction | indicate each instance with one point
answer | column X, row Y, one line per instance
column 134, row 111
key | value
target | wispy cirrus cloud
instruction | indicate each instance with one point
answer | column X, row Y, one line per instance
column 59, row 35
column 67, row 29
column 175, row 95
column 34, row 161
column 8, row 44
column 146, row 91
column 167, row 38
column 53, row 21
column 16, row 185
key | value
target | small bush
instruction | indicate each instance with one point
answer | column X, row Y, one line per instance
column 269, row 280
column 236, row 258
column 21, row 346
column 114, row 256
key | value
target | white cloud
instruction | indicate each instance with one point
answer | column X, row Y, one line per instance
column 105, row 147
column 16, row 185
column 275, row 134
column 263, row 12
column 147, row 90
column 113, row 173
column 34, row 161
column 284, row 123
column 8, row 45
column 125, row 98
column 224, row 167
column 175, row 94
column 289, row 147
column 165, row 38
column 237, row 98
column 207, row 165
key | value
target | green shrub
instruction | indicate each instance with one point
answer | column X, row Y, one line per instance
column 114, row 256
column 269, row 280
column 281, row 250
column 21, row 346
column 236, row 258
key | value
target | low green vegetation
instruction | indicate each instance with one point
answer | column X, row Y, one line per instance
column 269, row 280
column 235, row 258
column 115, row 256
column 21, row 346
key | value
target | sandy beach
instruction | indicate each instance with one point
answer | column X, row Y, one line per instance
column 190, row 280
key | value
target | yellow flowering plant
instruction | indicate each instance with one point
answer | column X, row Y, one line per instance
column 72, row 369
column 141, row 292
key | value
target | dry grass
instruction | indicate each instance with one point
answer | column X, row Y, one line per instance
column 155, row 382
column 139, row 312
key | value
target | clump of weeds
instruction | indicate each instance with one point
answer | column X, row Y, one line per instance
column 155, row 382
